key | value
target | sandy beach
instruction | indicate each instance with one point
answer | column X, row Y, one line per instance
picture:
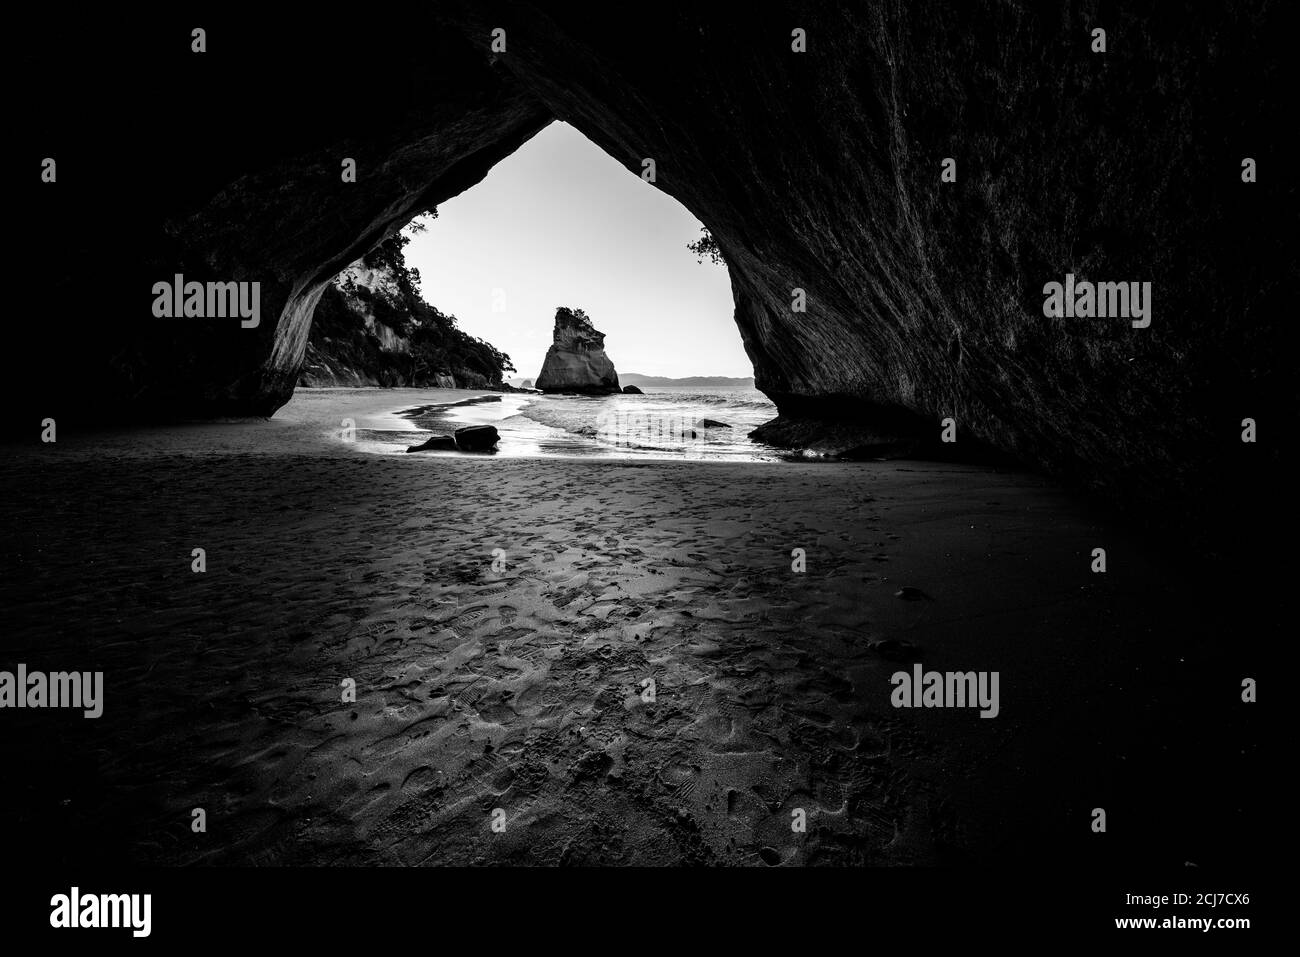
column 524, row 687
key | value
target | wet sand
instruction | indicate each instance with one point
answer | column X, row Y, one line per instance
column 522, row 688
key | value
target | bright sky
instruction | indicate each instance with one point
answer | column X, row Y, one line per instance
column 560, row 223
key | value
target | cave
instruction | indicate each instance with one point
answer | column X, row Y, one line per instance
column 923, row 297
column 930, row 214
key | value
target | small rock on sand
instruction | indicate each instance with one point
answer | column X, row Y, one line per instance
column 434, row 443
column 477, row 438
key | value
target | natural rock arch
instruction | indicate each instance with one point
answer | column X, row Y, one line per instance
column 816, row 170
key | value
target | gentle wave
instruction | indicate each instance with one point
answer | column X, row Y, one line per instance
column 590, row 417
column 661, row 423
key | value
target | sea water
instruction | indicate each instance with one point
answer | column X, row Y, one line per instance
column 667, row 422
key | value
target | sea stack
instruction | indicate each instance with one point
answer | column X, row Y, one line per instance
column 576, row 360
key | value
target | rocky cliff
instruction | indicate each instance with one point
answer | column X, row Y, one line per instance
column 891, row 199
column 371, row 328
column 576, row 360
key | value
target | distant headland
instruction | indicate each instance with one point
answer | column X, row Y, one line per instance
column 632, row 378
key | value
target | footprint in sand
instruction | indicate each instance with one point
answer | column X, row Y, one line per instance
column 565, row 598
column 420, row 778
column 830, row 797
column 471, row 618
column 682, row 780
column 717, row 728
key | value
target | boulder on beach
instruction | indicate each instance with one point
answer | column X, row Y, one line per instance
column 435, row 443
column 477, row 438
column 576, row 361
column 632, row 390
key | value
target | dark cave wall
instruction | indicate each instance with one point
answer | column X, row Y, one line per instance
column 817, row 170
column 226, row 166
column 298, row 223
column 822, row 171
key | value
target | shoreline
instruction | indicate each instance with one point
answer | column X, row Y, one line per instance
column 609, row 428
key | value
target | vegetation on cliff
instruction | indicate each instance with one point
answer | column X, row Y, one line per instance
column 706, row 247
column 372, row 327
